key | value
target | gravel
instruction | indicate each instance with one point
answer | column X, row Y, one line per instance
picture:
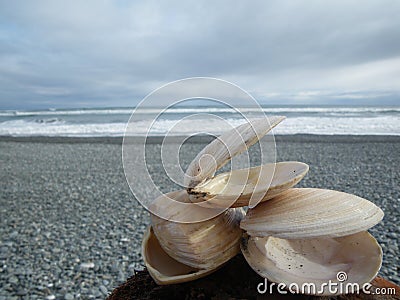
column 71, row 229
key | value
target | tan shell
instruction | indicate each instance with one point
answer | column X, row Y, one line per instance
column 299, row 236
column 222, row 149
column 235, row 189
column 301, row 213
column 316, row 261
column 176, row 206
column 202, row 245
column 162, row 267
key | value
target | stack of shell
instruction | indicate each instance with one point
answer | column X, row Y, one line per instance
column 288, row 235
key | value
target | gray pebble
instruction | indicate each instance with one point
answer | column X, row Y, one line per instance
column 87, row 265
column 396, row 278
column 104, row 290
column 14, row 234
column 106, row 282
column 69, row 296
column 21, row 292
column 13, row 279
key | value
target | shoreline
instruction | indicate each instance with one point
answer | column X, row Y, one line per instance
column 301, row 138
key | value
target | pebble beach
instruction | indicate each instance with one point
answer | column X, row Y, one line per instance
column 71, row 228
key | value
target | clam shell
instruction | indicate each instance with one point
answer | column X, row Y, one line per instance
column 176, row 206
column 236, row 188
column 315, row 261
column 202, row 245
column 162, row 267
column 308, row 213
column 222, row 149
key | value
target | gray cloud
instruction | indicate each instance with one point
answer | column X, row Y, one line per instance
column 95, row 53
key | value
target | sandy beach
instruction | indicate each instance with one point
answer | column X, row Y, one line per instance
column 70, row 227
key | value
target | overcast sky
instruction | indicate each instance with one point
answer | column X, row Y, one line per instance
column 113, row 53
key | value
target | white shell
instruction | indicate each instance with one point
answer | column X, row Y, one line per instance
column 176, row 206
column 222, row 149
column 299, row 236
column 315, row 261
column 236, row 188
column 162, row 267
column 308, row 213
column 202, row 245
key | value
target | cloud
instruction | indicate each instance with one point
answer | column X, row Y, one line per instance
column 96, row 53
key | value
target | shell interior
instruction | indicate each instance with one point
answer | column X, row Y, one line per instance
column 315, row 261
column 162, row 267
column 236, row 188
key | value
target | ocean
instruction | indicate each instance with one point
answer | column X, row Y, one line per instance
column 109, row 122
